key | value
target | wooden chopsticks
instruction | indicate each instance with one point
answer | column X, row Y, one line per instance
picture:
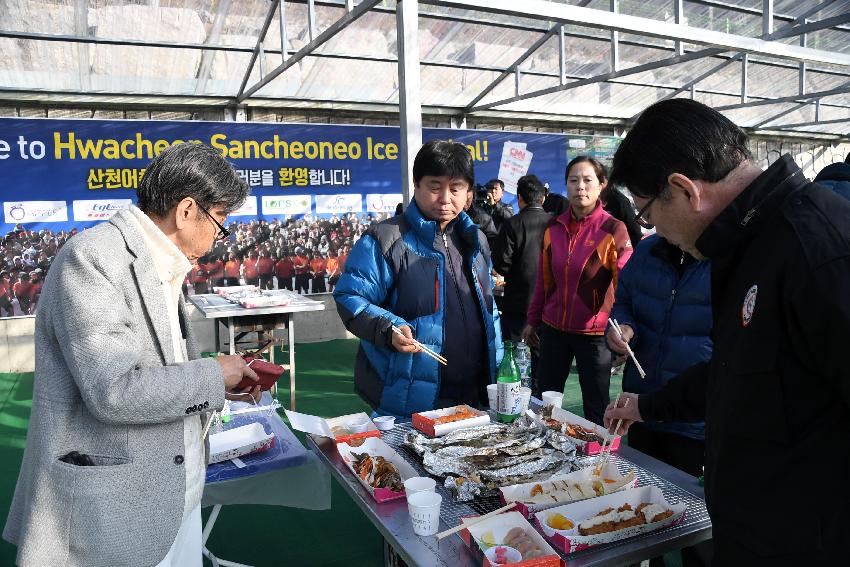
column 605, row 456
column 628, row 348
column 423, row 348
column 477, row 520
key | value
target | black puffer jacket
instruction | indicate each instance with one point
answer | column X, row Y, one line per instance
column 775, row 395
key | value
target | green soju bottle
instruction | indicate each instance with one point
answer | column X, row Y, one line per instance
column 508, row 383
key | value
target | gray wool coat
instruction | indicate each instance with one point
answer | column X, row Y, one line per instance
column 106, row 385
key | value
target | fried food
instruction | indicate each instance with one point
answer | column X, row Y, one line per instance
column 458, row 413
column 610, row 520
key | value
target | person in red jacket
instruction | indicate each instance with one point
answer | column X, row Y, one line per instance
column 284, row 270
column 302, row 271
column 214, row 267
column 232, row 269
column 250, row 269
column 318, row 269
column 198, row 277
column 265, row 269
column 21, row 291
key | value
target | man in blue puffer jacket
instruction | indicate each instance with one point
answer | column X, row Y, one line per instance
column 663, row 306
column 426, row 272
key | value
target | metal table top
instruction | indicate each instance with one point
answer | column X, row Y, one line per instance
column 215, row 307
column 392, row 520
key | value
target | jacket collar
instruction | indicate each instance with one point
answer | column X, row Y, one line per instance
column 595, row 215
column 427, row 229
column 834, row 172
column 748, row 212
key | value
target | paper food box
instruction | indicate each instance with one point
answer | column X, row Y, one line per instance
column 570, row 540
column 502, row 530
column 579, row 434
column 337, row 428
column 563, row 489
column 227, row 290
column 437, row 423
column 365, row 462
column 239, row 441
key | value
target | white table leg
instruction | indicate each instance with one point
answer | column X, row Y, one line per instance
column 290, row 328
column 206, row 534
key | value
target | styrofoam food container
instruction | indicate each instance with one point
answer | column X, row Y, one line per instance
column 511, row 554
column 356, row 426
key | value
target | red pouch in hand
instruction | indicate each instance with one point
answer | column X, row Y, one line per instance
column 268, row 373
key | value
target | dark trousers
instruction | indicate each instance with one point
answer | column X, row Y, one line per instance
column 686, row 454
column 319, row 285
column 593, row 360
column 200, row 287
column 302, row 283
column 266, row 282
column 284, row 283
column 512, row 326
column 230, row 281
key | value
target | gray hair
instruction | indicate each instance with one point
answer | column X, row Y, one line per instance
column 190, row 170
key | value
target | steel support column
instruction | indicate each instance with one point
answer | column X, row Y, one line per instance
column 409, row 101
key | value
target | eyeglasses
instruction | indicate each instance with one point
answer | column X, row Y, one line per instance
column 223, row 234
column 641, row 219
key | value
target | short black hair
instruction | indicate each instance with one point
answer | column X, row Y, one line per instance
column 190, row 170
column 531, row 189
column 493, row 182
column 677, row 136
column 444, row 157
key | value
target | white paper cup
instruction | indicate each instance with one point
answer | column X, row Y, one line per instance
column 525, row 396
column 419, row 484
column 424, row 509
column 491, row 396
column 553, row 399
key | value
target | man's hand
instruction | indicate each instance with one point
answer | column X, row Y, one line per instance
column 405, row 343
column 617, row 344
column 628, row 412
column 529, row 335
column 234, row 369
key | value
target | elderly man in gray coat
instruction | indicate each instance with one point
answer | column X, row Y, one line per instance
column 114, row 465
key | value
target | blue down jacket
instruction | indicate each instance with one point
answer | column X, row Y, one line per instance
column 394, row 275
column 671, row 317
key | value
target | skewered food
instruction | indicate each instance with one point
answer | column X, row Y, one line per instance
column 611, row 520
column 459, row 413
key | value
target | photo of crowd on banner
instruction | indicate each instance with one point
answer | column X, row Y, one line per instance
column 304, row 255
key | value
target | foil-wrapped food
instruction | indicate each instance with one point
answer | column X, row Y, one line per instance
column 478, row 460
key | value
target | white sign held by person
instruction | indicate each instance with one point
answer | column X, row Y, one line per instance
column 383, row 202
column 248, row 208
column 287, row 204
column 515, row 162
column 341, row 203
column 98, row 209
column 15, row 212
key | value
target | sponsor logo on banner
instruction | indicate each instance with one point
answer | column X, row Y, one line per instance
column 342, row 203
column 382, row 202
column 248, row 208
column 35, row 211
column 286, row 204
column 98, row 209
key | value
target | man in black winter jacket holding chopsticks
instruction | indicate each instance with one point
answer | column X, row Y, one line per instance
column 775, row 395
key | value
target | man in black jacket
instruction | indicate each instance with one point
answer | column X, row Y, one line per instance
column 517, row 252
column 775, row 395
column 501, row 212
column 481, row 218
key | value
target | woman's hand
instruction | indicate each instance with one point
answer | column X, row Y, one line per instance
column 529, row 335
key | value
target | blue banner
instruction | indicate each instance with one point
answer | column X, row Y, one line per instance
column 64, row 174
